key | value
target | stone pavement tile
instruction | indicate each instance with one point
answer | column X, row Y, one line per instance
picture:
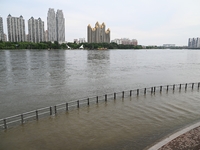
column 187, row 141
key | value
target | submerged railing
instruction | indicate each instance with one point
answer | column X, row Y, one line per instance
column 52, row 110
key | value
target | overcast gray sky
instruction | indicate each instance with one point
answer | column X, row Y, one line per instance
column 151, row 22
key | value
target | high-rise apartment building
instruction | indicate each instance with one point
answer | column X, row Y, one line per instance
column 5, row 37
column 194, row 43
column 16, row 29
column 36, row 30
column 98, row 34
column 1, row 30
column 46, row 35
column 51, row 25
column 60, row 26
column 56, row 26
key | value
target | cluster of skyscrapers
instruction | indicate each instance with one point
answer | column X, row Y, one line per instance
column 194, row 43
column 36, row 31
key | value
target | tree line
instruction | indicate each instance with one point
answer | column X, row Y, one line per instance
column 56, row 45
column 30, row 45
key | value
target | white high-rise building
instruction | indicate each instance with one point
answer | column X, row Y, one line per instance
column 56, row 26
column 60, row 26
column 41, row 30
column 194, row 43
column 5, row 37
column 36, row 30
column 51, row 25
column 16, row 29
column 1, row 30
column 46, row 35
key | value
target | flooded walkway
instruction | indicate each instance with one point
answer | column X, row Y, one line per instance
column 129, row 123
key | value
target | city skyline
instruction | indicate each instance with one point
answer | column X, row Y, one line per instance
column 150, row 22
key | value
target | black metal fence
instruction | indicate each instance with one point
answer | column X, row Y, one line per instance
column 52, row 110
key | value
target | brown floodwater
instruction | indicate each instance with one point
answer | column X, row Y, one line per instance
column 33, row 79
column 129, row 123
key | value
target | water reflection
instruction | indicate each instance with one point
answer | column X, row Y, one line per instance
column 98, row 63
column 99, row 55
column 40, row 78
column 28, row 61
column 9, row 73
column 98, row 70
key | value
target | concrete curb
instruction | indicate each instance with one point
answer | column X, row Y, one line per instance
column 173, row 136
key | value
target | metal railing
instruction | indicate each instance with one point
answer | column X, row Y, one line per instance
column 52, row 110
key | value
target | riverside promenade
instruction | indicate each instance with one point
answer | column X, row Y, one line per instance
column 185, row 139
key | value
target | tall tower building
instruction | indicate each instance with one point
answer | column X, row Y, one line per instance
column 51, row 25
column 16, row 29
column 1, row 30
column 31, row 30
column 56, row 25
column 36, row 30
column 46, row 35
column 60, row 26
column 5, row 37
column 194, row 42
column 98, row 34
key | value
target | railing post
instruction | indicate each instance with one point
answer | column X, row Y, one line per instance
column 67, row 107
column 5, row 125
column 114, row 96
column 186, row 86
column 22, row 119
column 137, row 92
column 97, row 99
column 160, row 88
column 50, row 109
column 151, row 90
column 130, row 92
column 77, row 103
column 88, row 101
column 173, row 87
column 192, row 86
column 55, row 109
column 123, row 94
column 36, row 112
column 145, row 91
column 106, row 97
column 167, row 88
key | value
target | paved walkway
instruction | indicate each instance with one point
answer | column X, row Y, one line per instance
column 186, row 139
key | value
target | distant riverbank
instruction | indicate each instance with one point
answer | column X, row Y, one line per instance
column 87, row 46
column 56, row 45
